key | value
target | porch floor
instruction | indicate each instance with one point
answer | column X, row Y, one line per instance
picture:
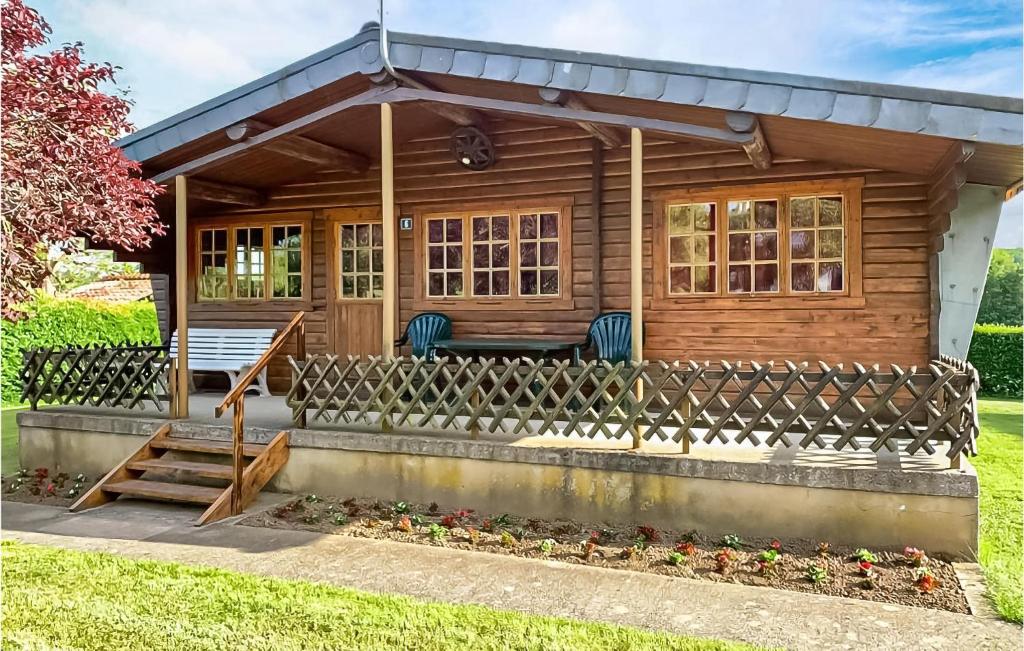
column 271, row 413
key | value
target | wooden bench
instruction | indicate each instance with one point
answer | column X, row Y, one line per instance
column 230, row 350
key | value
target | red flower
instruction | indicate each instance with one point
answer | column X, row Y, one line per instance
column 686, row 548
column 648, row 533
column 776, row 545
column 51, row 489
column 449, row 521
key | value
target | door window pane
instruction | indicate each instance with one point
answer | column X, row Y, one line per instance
column 361, row 248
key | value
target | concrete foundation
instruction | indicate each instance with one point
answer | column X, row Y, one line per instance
column 878, row 508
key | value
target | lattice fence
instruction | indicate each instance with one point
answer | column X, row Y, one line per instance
column 686, row 403
column 120, row 376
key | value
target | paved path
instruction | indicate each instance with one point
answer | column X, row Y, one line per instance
column 763, row 616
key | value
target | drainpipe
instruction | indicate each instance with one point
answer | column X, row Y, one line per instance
column 386, row 58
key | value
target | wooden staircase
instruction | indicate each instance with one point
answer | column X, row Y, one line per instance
column 134, row 475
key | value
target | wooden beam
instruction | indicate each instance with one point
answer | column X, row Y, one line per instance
column 1014, row 189
column 181, row 289
column 946, row 179
column 757, row 149
column 303, row 148
column 605, row 134
column 297, row 126
column 666, row 128
column 387, row 203
column 223, row 193
column 461, row 116
column 596, row 187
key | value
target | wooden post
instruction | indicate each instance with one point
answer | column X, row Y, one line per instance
column 636, row 261
column 387, row 199
column 596, row 181
column 181, row 290
column 237, row 460
column 300, row 357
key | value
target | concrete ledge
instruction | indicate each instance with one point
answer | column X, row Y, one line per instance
column 962, row 483
column 881, row 509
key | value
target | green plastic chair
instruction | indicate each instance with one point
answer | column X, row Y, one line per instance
column 423, row 330
column 610, row 334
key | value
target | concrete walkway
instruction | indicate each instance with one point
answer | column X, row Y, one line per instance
column 762, row 616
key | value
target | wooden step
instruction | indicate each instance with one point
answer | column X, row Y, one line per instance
column 208, row 470
column 165, row 491
column 210, row 447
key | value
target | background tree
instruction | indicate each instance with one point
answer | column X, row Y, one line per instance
column 62, row 176
column 1002, row 301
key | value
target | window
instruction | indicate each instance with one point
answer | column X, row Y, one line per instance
column 691, row 247
column 286, row 261
column 249, row 282
column 444, row 257
column 816, row 244
column 362, row 260
column 491, row 259
column 248, row 262
column 753, row 246
column 495, row 254
column 213, row 263
column 793, row 240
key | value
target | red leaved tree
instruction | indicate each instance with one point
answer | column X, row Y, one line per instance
column 62, row 176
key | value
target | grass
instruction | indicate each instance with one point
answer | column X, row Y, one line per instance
column 9, row 440
column 56, row 598
column 999, row 463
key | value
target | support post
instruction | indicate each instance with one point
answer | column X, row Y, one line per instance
column 181, row 290
column 596, row 180
column 387, row 199
column 300, row 355
column 237, row 458
column 636, row 249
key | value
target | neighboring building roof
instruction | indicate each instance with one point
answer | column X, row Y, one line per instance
column 118, row 289
column 967, row 116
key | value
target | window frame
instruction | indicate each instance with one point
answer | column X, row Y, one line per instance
column 562, row 206
column 265, row 221
column 850, row 190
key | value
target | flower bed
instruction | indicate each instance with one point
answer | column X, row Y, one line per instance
column 909, row 578
column 44, row 486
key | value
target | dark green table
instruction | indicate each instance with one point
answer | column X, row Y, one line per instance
column 542, row 348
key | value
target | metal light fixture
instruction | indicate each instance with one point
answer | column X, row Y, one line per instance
column 472, row 148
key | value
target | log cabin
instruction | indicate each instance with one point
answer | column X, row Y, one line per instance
column 793, row 223
column 780, row 216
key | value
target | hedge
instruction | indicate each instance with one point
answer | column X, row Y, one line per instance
column 52, row 322
column 996, row 353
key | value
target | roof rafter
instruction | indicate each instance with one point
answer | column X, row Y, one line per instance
column 604, row 133
column 302, row 148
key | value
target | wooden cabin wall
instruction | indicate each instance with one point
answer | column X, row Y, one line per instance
column 543, row 161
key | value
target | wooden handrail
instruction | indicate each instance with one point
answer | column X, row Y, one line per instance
column 239, row 389
column 236, row 398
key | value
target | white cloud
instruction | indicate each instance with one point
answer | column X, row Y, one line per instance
column 994, row 71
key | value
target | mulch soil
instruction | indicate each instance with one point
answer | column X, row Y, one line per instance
column 617, row 547
column 43, row 486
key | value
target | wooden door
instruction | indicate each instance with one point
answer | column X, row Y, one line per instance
column 356, row 245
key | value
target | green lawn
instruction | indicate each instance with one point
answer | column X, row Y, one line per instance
column 999, row 463
column 8, row 440
column 55, row 598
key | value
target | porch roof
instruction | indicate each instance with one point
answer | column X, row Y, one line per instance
column 947, row 114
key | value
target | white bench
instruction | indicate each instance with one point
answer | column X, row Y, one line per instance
column 231, row 350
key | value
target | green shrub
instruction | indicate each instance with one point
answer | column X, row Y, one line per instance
column 51, row 322
column 996, row 353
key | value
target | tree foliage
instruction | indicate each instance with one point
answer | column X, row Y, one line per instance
column 1002, row 301
column 62, row 176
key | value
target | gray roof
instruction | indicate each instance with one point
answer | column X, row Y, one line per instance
column 967, row 116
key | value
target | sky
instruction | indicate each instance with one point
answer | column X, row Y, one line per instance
column 175, row 55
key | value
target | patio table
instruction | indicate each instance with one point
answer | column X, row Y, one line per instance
column 543, row 348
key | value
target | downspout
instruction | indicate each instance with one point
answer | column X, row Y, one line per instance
column 386, row 58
